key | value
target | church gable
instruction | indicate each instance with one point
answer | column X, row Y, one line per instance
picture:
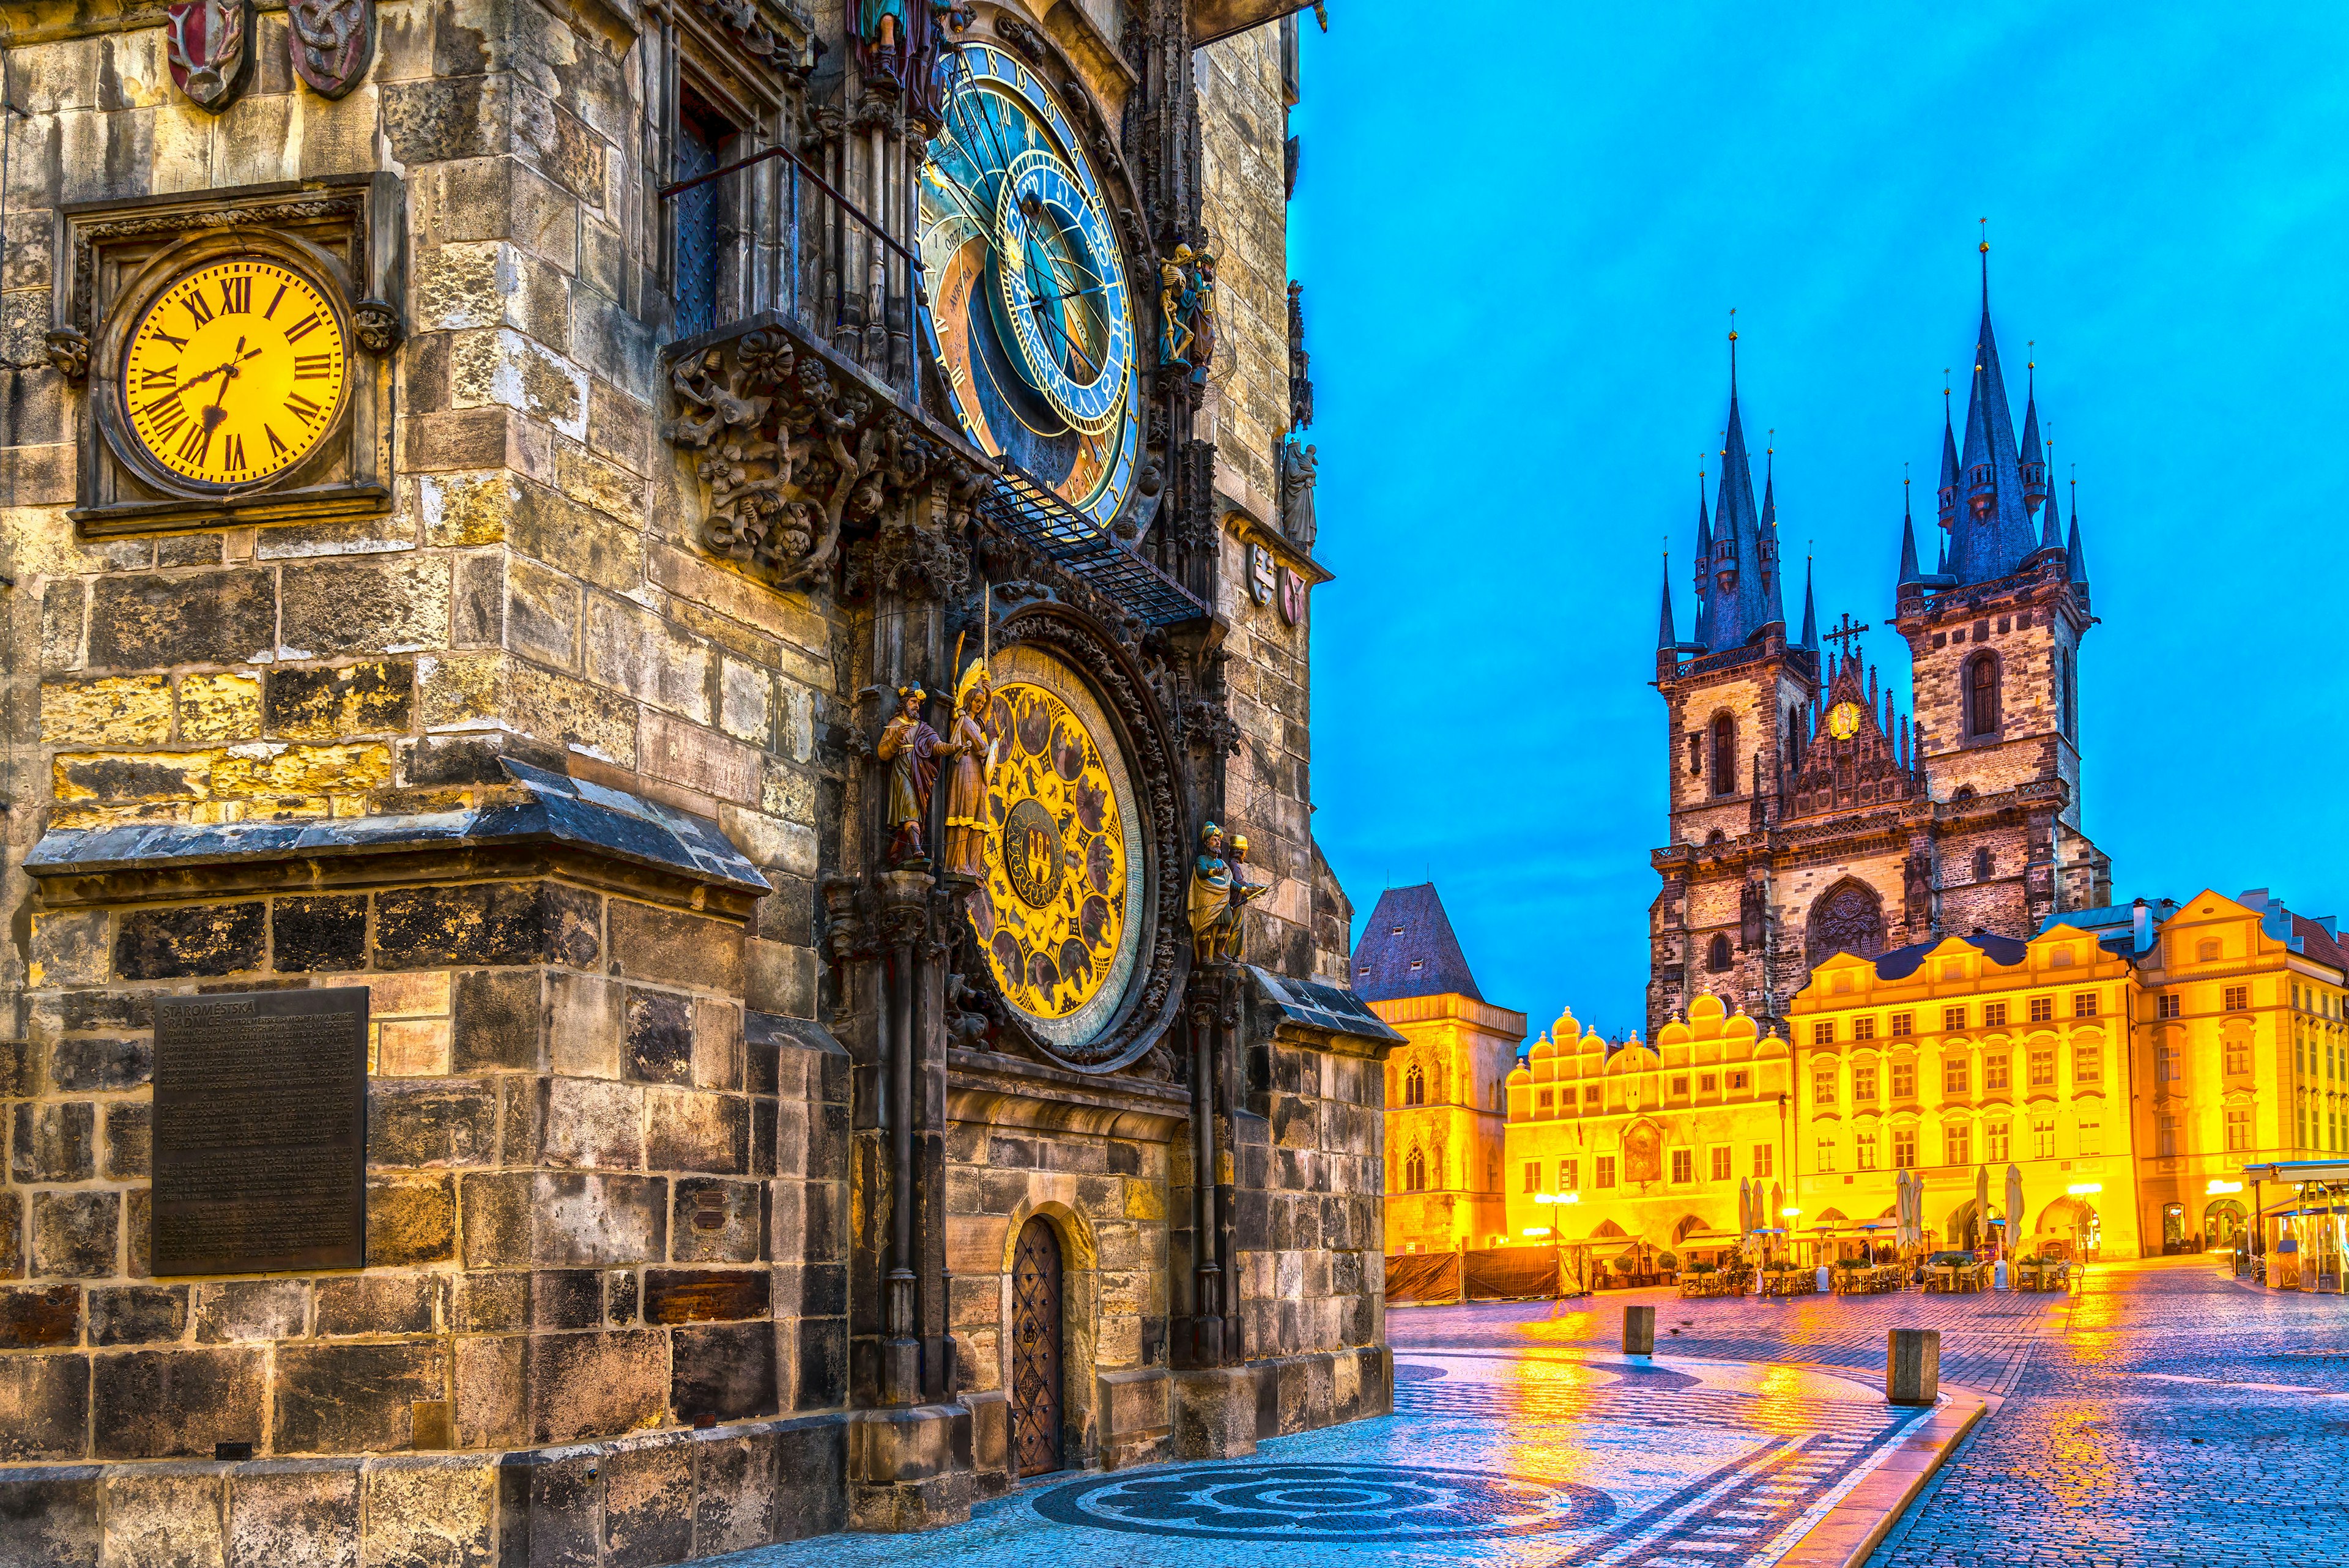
column 1853, row 758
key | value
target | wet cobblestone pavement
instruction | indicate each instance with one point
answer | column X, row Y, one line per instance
column 2164, row 1414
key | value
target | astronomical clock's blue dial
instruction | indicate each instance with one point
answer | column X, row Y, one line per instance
column 1031, row 316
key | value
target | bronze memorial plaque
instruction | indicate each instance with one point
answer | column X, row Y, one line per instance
column 261, row 1131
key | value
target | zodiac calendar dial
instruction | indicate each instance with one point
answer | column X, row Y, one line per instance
column 236, row 372
column 1029, row 313
column 1059, row 909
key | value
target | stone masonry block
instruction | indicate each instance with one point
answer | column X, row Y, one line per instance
column 597, row 1383
column 354, row 1398
column 54, row 1142
column 170, row 1404
column 191, row 940
column 440, row 1511
column 564, row 1219
column 498, row 1014
column 51, row 1517
column 293, row 1513
column 168, row 1514
column 207, row 617
column 76, row 1234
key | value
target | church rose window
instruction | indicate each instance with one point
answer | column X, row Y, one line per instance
column 1847, row 919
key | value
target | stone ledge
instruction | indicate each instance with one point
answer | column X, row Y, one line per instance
column 666, row 1497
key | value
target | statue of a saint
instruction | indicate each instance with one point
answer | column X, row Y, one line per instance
column 973, row 744
column 1299, row 463
column 1220, row 895
column 912, row 749
column 1202, row 348
column 1175, row 300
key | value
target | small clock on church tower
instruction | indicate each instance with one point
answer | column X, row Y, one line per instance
column 1843, row 721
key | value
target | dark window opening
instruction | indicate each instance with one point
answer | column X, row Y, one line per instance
column 702, row 138
column 1983, row 865
column 1718, row 959
column 1724, row 755
column 1981, row 696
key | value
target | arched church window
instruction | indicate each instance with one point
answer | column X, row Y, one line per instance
column 1847, row 919
column 1983, row 865
column 1414, row 1172
column 1981, row 695
column 1964, row 793
column 2070, row 695
column 1724, row 755
column 1716, row 958
column 1415, row 1086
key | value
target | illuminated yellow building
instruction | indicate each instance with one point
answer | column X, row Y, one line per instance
column 2131, row 1060
column 1608, row 1141
column 1444, row 1089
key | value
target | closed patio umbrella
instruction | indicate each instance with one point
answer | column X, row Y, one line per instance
column 1744, row 1208
column 1900, row 1208
column 1981, row 1200
column 2014, row 1208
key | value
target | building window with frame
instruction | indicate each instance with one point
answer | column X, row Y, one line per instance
column 1904, row 1024
column 1603, row 1169
column 2088, row 1063
column 1956, row 1073
column 2043, row 1137
column 1998, row 1140
column 1548, row 1099
column 2168, row 1007
column 1863, row 1028
column 1994, row 1069
column 2042, row 1067
column 1983, row 865
column 1708, row 1083
column 1683, row 1165
column 1981, row 695
column 2169, row 1064
column 703, row 142
column 1724, row 755
column 1994, row 1016
column 2084, row 1004
column 2239, row 997
column 1569, row 1176
column 1904, row 1148
column 2164, row 1136
column 1904, row 1080
column 1958, row 1144
column 1722, row 1158
column 1533, row 1176
column 1696, row 754
column 1826, row 1156
column 1591, row 1094
column 1863, row 1083
column 1414, row 1172
column 1823, row 1033
column 1736, row 1081
column 2238, row 1126
column 1953, row 1017
column 1415, row 1087
column 2092, row 1138
column 1822, row 1086
column 1679, row 1084
column 1863, row 1149
column 1764, row 1156
column 2238, row 1055
column 1717, row 956
column 2043, row 1010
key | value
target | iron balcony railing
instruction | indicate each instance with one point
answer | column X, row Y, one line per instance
column 781, row 238
column 1026, row 508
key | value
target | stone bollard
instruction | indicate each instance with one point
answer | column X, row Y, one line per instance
column 1912, row 1366
column 1639, row 1331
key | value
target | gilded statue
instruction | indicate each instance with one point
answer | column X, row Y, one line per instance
column 912, row 749
column 1175, row 299
column 1220, row 895
column 973, row 745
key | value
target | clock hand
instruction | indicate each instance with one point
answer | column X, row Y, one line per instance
column 215, row 414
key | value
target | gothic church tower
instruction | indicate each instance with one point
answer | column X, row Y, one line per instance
column 1808, row 816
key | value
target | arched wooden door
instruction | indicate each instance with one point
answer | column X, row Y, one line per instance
column 1036, row 1350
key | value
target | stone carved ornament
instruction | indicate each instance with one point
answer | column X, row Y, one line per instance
column 209, row 45
column 332, row 42
column 790, row 457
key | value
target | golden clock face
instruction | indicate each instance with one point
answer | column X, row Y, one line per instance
column 236, row 372
column 1843, row 721
column 1059, row 912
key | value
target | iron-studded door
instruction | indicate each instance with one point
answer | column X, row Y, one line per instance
column 1036, row 1350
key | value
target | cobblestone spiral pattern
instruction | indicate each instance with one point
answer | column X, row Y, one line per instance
column 1368, row 1502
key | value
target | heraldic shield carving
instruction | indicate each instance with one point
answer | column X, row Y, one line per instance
column 332, row 41
column 209, row 44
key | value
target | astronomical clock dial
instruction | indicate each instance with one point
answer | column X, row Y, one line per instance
column 236, row 372
column 1060, row 911
column 1843, row 721
column 1030, row 312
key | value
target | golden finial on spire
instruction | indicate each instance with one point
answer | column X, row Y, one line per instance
column 1985, row 236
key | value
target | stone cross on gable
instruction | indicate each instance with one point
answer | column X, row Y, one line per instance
column 1844, row 633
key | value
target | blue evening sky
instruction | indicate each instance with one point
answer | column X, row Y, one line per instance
column 1520, row 237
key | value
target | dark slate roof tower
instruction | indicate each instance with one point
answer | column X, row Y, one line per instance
column 1408, row 948
column 1739, row 588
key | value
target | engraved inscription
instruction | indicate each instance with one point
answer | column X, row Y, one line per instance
column 260, row 1132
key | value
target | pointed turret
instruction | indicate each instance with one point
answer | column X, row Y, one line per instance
column 1810, row 612
column 2072, row 545
column 2050, row 522
column 1735, row 595
column 2032, row 458
column 1773, row 598
column 1993, row 533
column 1667, row 640
column 1701, row 632
column 1948, row 496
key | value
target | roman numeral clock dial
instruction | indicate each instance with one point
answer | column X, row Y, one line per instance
column 236, row 372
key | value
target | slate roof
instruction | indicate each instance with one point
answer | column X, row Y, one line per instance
column 1331, row 1009
column 550, row 807
column 1408, row 948
column 1902, row 962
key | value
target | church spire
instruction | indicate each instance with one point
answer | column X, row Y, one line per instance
column 1948, row 497
column 1993, row 533
column 2051, row 529
column 1909, row 573
column 1667, row 641
column 1700, row 632
column 2072, row 545
column 1773, row 598
column 1810, row 610
column 1735, row 595
column 2032, row 457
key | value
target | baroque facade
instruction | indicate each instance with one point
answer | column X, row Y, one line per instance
column 1808, row 814
column 688, row 576
column 1446, row 1092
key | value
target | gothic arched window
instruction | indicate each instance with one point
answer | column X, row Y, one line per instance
column 1847, row 919
column 1716, row 958
column 2070, row 695
column 1981, row 695
column 1724, row 755
column 1414, row 1172
column 1415, row 1086
column 1983, row 865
